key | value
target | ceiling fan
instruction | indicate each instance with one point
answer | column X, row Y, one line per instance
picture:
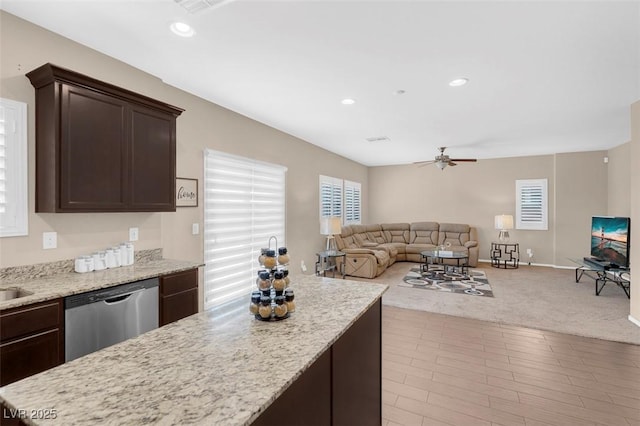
column 441, row 161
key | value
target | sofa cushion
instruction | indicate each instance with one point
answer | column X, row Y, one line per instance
column 455, row 234
column 346, row 240
column 360, row 236
column 424, row 233
column 398, row 247
column 417, row 248
column 374, row 234
column 396, row 232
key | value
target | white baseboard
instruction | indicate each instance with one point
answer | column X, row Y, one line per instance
column 635, row 321
column 546, row 265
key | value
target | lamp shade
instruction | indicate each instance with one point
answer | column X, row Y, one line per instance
column 504, row 221
column 330, row 225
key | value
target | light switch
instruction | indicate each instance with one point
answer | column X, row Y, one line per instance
column 195, row 229
column 49, row 240
column 133, row 234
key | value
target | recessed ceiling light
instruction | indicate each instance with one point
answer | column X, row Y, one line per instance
column 348, row 101
column 458, row 82
column 182, row 29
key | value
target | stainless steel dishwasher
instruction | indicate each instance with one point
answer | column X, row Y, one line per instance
column 101, row 318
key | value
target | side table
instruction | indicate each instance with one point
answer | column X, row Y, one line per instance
column 328, row 261
column 505, row 255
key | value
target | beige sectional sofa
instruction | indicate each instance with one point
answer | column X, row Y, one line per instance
column 370, row 249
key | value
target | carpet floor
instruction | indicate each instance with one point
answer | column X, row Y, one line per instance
column 530, row 296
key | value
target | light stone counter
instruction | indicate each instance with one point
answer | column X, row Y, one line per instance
column 66, row 284
column 201, row 370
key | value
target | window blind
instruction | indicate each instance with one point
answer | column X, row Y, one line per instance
column 531, row 204
column 13, row 168
column 352, row 202
column 244, row 207
column 330, row 196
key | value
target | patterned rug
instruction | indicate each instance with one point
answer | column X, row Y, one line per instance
column 475, row 283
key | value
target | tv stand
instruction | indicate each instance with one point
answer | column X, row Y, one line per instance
column 598, row 262
column 604, row 274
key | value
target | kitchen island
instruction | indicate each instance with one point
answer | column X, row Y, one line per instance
column 227, row 370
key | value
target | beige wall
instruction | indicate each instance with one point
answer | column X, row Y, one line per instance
column 635, row 206
column 474, row 193
column 580, row 192
column 203, row 125
column 619, row 181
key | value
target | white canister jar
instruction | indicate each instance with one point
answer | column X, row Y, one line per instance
column 83, row 264
column 99, row 260
column 111, row 258
column 123, row 254
column 130, row 254
column 117, row 254
column 88, row 260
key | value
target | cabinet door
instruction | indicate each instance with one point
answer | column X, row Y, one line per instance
column 30, row 355
column 306, row 402
column 178, row 306
column 153, row 160
column 357, row 369
column 178, row 296
column 93, row 163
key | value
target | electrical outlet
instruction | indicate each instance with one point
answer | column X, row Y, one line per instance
column 303, row 267
column 530, row 252
column 49, row 240
column 195, row 229
column 133, row 234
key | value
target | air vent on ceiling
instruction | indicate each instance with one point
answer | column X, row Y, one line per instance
column 379, row 139
column 196, row 6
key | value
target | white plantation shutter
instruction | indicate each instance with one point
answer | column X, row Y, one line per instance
column 13, row 168
column 244, row 207
column 330, row 196
column 352, row 202
column 531, row 204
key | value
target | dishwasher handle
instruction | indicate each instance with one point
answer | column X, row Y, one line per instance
column 121, row 298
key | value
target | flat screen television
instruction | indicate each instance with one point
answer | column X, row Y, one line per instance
column 610, row 240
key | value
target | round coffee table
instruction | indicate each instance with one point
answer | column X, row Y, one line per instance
column 437, row 257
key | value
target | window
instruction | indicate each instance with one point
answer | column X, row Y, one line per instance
column 13, row 168
column 330, row 196
column 244, row 207
column 531, row 204
column 352, row 202
column 340, row 198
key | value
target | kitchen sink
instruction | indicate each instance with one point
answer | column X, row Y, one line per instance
column 13, row 293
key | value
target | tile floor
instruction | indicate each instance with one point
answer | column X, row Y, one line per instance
column 445, row 370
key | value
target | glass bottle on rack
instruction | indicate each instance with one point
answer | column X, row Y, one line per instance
column 270, row 261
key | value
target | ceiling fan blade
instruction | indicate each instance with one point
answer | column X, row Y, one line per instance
column 423, row 163
column 451, row 163
column 464, row 159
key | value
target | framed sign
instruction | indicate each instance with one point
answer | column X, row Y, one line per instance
column 186, row 192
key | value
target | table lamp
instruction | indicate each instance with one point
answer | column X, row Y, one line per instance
column 330, row 226
column 504, row 222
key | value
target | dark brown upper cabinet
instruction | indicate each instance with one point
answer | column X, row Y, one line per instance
column 101, row 148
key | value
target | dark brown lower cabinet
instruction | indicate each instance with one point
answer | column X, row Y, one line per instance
column 31, row 340
column 178, row 296
column 356, row 374
column 343, row 386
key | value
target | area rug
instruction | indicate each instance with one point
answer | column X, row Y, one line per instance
column 474, row 283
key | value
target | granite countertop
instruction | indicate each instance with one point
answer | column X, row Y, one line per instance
column 66, row 284
column 203, row 369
